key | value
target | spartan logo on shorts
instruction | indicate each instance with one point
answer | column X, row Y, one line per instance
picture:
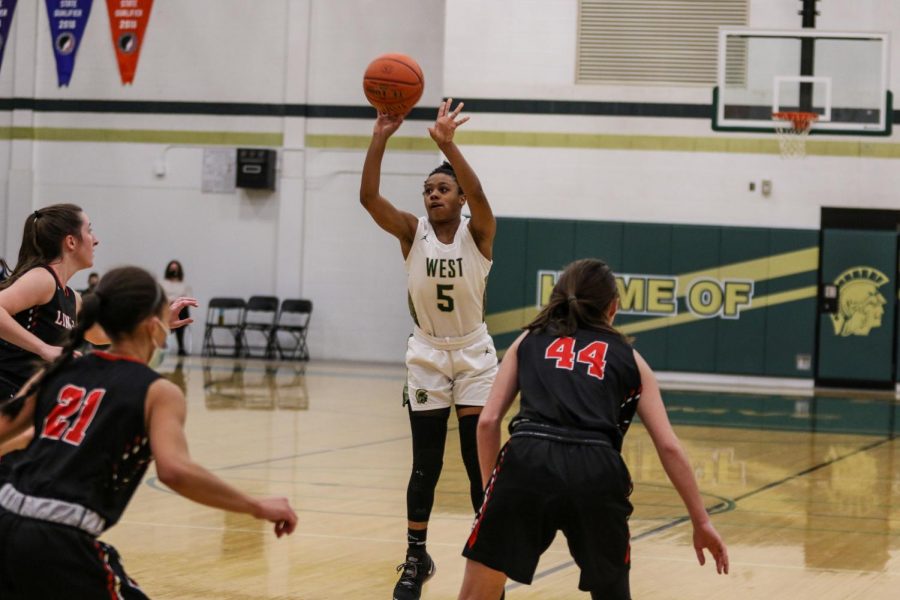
column 860, row 304
column 421, row 396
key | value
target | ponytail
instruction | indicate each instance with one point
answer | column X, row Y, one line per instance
column 581, row 299
column 42, row 238
column 122, row 300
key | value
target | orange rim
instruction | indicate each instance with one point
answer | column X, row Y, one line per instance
column 801, row 121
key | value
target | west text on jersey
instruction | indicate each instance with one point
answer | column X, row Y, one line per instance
column 444, row 267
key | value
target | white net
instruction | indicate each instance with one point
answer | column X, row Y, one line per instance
column 792, row 129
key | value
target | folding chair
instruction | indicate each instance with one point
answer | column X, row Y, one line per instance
column 259, row 320
column 293, row 319
column 223, row 314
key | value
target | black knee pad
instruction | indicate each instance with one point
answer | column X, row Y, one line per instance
column 427, row 465
column 429, row 435
column 468, row 431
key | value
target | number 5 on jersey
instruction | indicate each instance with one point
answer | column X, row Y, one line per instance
column 445, row 301
column 562, row 350
column 58, row 424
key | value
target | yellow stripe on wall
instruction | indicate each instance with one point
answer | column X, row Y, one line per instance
column 757, row 270
column 510, row 320
column 659, row 143
column 361, row 142
column 688, row 317
column 513, row 320
column 143, row 136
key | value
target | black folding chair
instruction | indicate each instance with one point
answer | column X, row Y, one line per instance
column 223, row 314
column 293, row 320
column 259, row 321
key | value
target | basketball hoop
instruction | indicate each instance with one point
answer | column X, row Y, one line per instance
column 792, row 129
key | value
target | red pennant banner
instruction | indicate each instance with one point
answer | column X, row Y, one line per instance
column 127, row 22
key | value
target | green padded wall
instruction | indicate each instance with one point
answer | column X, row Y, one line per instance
column 692, row 346
column 791, row 326
column 741, row 342
column 859, row 344
column 772, row 333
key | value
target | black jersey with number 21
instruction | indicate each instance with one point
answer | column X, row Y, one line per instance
column 90, row 443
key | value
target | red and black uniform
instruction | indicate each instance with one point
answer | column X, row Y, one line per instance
column 50, row 323
column 74, row 480
column 561, row 469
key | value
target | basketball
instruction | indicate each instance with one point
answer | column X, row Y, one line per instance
column 393, row 83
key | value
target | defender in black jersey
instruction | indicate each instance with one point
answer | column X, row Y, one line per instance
column 49, row 322
column 37, row 307
column 581, row 384
column 99, row 421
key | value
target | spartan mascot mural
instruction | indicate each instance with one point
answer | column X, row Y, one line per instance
column 860, row 304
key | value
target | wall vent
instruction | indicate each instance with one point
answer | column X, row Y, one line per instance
column 656, row 41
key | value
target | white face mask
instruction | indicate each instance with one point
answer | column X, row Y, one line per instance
column 159, row 352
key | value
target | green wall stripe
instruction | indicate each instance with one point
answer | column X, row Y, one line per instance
column 142, row 136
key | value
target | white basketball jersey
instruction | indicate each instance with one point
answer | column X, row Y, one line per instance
column 446, row 282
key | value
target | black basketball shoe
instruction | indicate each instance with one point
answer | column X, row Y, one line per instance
column 417, row 569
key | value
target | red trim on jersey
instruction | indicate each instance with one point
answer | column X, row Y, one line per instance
column 111, row 356
column 110, row 574
column 473, row 537
column 59, row 283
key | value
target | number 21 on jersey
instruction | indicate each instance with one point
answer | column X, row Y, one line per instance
column 60, row 424
column 562, row 350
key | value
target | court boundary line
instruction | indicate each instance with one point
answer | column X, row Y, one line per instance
column 733, row 504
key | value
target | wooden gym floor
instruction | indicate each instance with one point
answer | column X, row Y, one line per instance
column 804, row 488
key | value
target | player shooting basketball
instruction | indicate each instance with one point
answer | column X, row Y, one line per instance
column 450, row 357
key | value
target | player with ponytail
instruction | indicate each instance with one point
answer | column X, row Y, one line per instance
column 37, row 306
column 100, row 419
column 581, row 384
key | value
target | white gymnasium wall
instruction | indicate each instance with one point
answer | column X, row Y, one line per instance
column 310, row 237
column 197, row 51
column 525, row 49
column 352, row 270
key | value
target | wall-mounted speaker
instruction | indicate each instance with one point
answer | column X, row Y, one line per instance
column 256, row 168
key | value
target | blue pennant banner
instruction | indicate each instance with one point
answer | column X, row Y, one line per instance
column 7, row 8
column 67, row 21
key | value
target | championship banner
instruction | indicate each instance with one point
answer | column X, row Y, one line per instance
column 128, row 21
column 7, row 8
column 67, row 21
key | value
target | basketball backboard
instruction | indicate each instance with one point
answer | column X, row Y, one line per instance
column 840, row 76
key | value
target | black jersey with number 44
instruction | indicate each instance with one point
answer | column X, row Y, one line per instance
column 586, row 382
column 90, row 443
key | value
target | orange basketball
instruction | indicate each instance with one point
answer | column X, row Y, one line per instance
column 393, row 83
